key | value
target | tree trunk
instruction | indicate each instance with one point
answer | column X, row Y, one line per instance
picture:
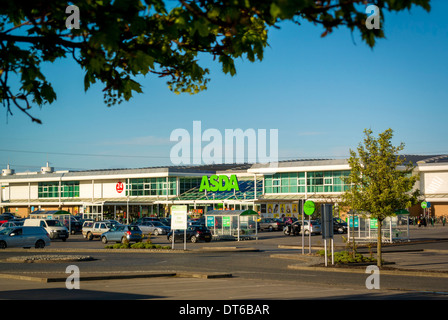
column 379, row 256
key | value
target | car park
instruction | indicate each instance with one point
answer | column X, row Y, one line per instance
column 122, row 233
column 25, row 237
column 153, row 227
column 193, row 234
column 270, row 224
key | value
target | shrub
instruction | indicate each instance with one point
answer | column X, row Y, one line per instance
column 344, row 257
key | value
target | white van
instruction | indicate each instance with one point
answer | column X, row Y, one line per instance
column 54, row 227
column 25, row 237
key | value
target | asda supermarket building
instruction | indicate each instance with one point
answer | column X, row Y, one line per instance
column 128, row 194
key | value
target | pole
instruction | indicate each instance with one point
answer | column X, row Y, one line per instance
column 302, row 229
column 309, row 234
column 332, row 251
column 325, row 251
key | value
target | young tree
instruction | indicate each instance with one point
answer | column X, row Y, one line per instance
column 381, row 180
column 113, row 41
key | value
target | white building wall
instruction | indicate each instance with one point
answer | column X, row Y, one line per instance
column 19, row 191
column 101, row 189
column 435, row 182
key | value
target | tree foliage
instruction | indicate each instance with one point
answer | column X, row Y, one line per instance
column 119, row 39
column 381, row 180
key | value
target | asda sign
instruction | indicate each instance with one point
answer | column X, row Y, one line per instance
column 219, row 183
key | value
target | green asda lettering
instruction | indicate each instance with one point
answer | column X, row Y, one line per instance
column 219, row 183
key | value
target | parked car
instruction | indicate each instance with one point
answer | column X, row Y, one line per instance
column 314, row 227
column 270, row 224
column 54, row 227
column 11, row 224
column 339, row 226
column 75, row 225
column 153, row 227
column 94, row 229
column 122, row 233
column 194, row 234
column 25, row 237
column 166, row 221
column 145, row 219
column 4, row 217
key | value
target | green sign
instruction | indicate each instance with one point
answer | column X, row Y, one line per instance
column 210, row 221
column 219, row 183
column 424, row 204
column 373, row 223
column 226, row 221
column 350, row 222
column 309, row 207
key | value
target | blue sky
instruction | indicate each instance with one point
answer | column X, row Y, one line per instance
column 320, row 93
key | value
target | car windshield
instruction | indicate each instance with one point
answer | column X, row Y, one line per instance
column 5, row 231
column 53, row 223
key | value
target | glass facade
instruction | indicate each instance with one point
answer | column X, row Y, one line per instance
column 69, row 189
column 315, row 181
column 186, row 184
column 152, row 187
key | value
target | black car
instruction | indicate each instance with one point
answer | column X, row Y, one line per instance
column 194, row 234
column 339, row 226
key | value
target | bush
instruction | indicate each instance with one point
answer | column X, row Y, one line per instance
column 138, row 245
column 344, row 257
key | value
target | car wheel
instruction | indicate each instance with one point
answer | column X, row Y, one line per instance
column 123, row 240
column 3, row 245
column 89, row 236
column 270, row 228
column 340, row 230
column 39, row 244
column 104, row 240
column 170, row 239
column 156, row 232
column 193, row 239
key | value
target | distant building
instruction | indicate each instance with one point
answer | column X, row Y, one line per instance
column 128, row 194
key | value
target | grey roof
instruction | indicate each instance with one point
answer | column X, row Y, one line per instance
column 211, row 168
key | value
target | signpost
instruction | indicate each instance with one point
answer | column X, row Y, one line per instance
column 327, row 229
column 179, row 222
column 308, row 208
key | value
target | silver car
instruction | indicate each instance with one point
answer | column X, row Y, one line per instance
column 313, row 227
column 11, row 224
column 25, row 237
column 154, row 227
